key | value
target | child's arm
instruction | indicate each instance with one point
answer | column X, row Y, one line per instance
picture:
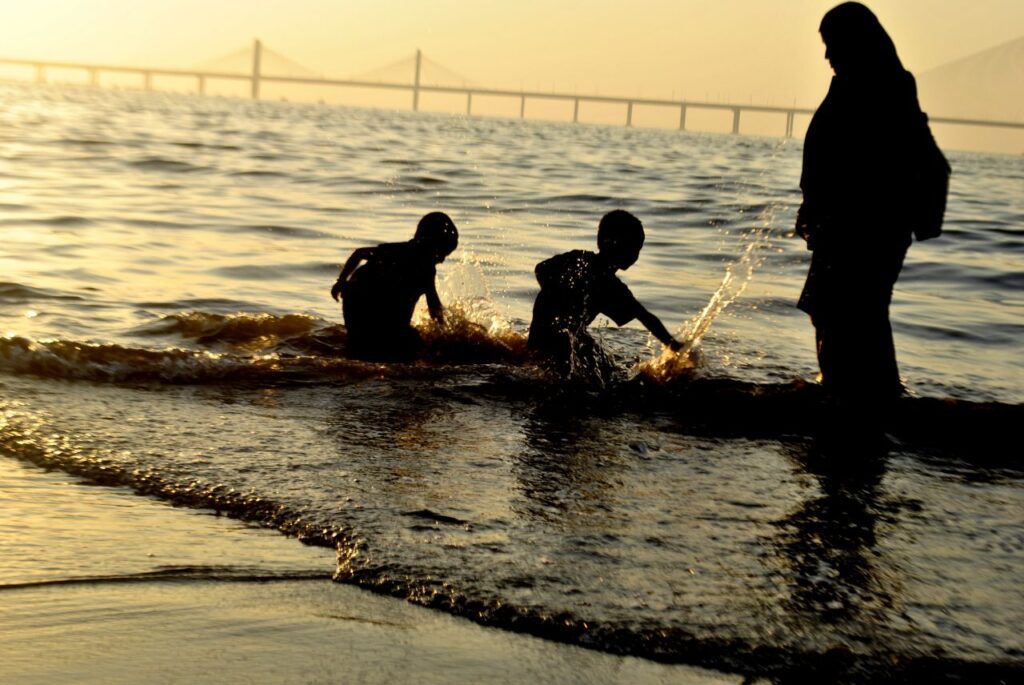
column 434, row 304
column 657, row 328
column 358, row 255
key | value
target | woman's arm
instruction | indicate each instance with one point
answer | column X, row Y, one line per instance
column 808, row 223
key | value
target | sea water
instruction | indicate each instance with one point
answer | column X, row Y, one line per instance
column 166, row 325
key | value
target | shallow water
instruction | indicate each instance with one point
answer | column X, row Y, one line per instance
column 166, row 268
column 98, row 585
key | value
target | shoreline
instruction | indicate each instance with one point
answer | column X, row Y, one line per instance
column 223, row 516
column 102, row 585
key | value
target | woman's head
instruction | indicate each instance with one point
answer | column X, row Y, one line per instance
column 855, row 42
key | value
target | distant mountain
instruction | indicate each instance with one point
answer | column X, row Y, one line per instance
column 986, row 85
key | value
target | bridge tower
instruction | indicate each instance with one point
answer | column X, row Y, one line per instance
column 257, row 54
column 416, row 81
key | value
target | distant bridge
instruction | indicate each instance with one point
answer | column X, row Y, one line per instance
column 257, row 76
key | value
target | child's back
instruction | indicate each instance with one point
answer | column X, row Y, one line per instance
column 381, row 285
column 574, row 288
column 381, row 295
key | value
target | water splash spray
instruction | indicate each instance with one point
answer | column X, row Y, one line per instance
column 738, row 274
column 473, row 328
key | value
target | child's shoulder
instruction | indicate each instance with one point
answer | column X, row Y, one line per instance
column 408, row 250
column 570, row 259
column 570, row 269
column 395, row 247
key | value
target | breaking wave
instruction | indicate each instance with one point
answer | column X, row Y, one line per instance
column 260, row 348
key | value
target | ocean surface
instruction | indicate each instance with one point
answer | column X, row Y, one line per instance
column 166, row 326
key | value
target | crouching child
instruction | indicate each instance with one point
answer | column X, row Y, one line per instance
column 380, row 286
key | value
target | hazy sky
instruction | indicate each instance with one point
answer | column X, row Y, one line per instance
column 765, row 50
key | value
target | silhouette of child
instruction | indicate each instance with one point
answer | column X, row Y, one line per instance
column 380, row 286
column 577, row 286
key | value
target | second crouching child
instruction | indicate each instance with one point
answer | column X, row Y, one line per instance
column 576, row 286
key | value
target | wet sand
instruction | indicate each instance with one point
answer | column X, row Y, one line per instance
column 100, row 585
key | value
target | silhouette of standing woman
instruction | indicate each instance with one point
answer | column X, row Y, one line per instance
column 872, row 177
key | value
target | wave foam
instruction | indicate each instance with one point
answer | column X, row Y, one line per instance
column 67, row 359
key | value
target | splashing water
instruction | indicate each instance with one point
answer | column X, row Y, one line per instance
column 464, row 339
column 465, row 288
column 473, row 329
column 737, row 276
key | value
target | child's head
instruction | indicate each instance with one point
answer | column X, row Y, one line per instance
column 620, row 235
column 437, row 231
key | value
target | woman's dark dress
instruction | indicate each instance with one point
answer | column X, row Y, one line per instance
column 865, row 157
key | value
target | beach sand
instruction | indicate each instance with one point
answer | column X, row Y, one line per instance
column 101, row 585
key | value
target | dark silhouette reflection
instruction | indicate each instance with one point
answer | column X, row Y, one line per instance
column 571, row 465
column 392, row 435
column 827, row 545
column 872, row 177
column 380, row 286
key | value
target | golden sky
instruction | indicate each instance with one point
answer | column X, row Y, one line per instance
column 736, row 50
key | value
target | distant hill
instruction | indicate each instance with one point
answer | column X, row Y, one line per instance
column 986, row 85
